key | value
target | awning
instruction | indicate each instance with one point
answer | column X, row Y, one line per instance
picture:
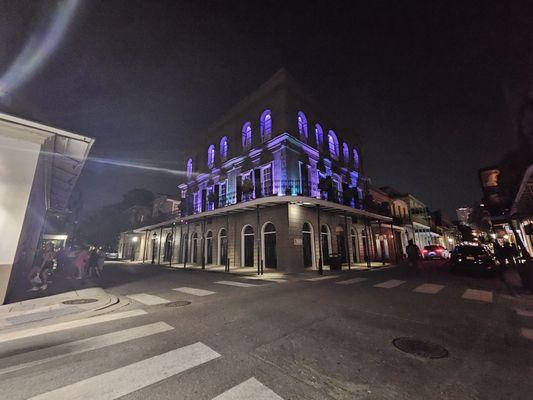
column 271, row 201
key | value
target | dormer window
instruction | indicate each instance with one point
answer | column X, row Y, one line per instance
column 333, row 145
column 224, row 148
column 210, row 156
column 345, row 153
column 189, row 168
column 319, row 135
column 302, row 125
column 247, row 136
column 355, row 159
column 266, row 125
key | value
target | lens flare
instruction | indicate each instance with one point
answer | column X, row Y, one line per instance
column 39, row 47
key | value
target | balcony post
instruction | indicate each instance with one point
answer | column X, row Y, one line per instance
column 319, row 229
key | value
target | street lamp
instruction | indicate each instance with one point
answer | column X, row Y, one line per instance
column 134, row 239
column 154, row 241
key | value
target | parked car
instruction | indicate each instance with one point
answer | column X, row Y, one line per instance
column 111, row 255
column 474, row 259
column 435, row 252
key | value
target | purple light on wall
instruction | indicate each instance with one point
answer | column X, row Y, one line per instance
column 355, row 159
column 189, row 167
column 345, row 153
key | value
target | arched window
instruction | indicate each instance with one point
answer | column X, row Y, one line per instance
column 346, row 153
column 222, row 247
column 224, row 148
column 189, row 167
column 302, row 125
column 308, row 245
column 266, row 125
column 247, row 136
column 210, row 156
column 209, row 247
column 333, row 145
column 355, row 159
column 247, row 246
column 269, row 245
column 319, row 135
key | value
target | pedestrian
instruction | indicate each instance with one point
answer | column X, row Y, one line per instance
column 61, row 259
column 81, row 262
column 101, row 260
column 509, row 253
column 92, row 263
column 44, row 263
column 499, row 253
column 413, row 256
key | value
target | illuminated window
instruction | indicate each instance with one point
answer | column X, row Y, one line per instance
column 333, row 145
column 189, row 167
column 210, row 156
column 266, row 125
column 355, row 158
column 224, row 148
column 345, row 153
column 319, row 135
column 302, row 125
column 247, row 136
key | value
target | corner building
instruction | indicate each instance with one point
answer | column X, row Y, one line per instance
column 277, row 186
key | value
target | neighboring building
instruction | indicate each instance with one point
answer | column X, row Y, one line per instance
column 417, row 222
column 463, row 214
column 522, row 209
column 165, row 206
column 277, row 186
column 39, row 167
column 448, row 234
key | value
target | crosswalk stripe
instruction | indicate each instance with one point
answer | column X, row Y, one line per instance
column 527, row 333
column 48, row 354
column 321, row 278
column 524, row 313
column 148, row 299
column 479, row 295
column 122, row 381
column 350, row 281
column 389, row 284
column 259, row 278
column 194, row 291
column 239, row 284
column 249, row 389
column 25, row 333
column 428, row 288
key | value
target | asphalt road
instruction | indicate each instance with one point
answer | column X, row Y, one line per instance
column 291, row 339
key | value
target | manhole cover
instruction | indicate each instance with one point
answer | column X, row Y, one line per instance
column 79, row 301
column 420, row 348
column 180, row 303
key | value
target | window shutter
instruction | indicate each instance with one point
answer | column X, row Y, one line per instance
column 239, row 189
column 258, row 186
column 216, row 195
column 204, row 198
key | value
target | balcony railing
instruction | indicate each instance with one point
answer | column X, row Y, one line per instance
column 276, row 188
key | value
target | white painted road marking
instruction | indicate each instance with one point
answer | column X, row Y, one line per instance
column 250, row 389
column 25, row 333
column 148, row 299
column 122, row 381
column 350, row 281
column 524, row 313
column 527, row 333
column 48, row 354
column 321, row 278
column 429, row 288
column 194, row 291
column 479, row 295
column 389, row 284
column 259, row 278
column 239, row 284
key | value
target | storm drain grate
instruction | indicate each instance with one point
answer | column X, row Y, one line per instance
column 420, row 348
column 79, row 301
column 180, row 303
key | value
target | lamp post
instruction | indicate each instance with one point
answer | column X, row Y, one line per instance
column 154, row 242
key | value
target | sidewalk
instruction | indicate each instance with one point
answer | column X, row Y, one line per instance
column 77, row 303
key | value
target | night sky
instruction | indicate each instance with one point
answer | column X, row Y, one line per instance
column 422, row 83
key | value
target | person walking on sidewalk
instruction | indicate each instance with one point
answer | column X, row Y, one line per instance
column 81, row 262
column 43, row 265
column 413, row 256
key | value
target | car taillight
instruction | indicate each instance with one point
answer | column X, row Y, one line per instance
column 439, row 250
column 424, row 251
